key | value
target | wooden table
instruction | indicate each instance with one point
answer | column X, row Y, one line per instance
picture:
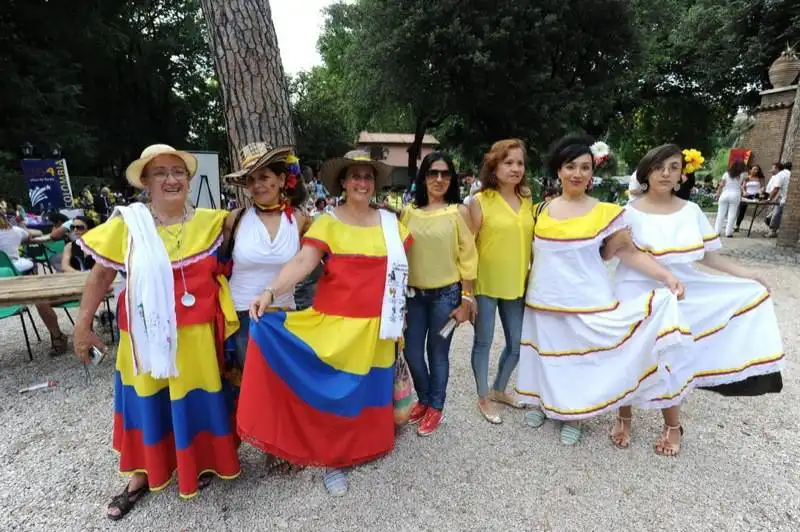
column 758, row 206
column 33, row 289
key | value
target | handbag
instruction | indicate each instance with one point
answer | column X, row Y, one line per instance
column 403, row 388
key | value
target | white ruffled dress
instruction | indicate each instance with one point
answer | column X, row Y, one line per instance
column 584, row 351
column 732, row 320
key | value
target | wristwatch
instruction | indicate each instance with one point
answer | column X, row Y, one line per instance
column 271, row 291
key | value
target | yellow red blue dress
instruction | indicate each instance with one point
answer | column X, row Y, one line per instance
column 317, row 383
column 183, row 424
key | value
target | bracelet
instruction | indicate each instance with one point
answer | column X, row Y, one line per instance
column 467, row 298
column 467, row 294
column 271, row 291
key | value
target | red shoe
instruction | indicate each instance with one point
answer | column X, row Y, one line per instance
column 430, row 423
column 418, row 412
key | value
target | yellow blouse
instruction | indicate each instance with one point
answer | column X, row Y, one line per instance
column 444, row 248
column 504, row 246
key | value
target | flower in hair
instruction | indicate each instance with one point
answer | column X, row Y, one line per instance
column 693, row 160
column 600, row 152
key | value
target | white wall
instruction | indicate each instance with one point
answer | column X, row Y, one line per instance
column 199, row 194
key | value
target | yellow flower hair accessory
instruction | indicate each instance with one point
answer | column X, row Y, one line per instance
column 694, row 160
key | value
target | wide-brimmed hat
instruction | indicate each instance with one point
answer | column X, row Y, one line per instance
column 332, row 170
column 134, row 170
column 255, row 156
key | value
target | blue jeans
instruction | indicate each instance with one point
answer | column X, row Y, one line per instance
column 428, row 312
column 511, row 312
column 241, row 336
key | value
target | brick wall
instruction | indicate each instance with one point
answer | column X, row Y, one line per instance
column 789, row 233
column 766, row 136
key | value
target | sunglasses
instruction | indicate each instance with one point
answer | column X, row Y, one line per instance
column 79, row 228
column 441, row 174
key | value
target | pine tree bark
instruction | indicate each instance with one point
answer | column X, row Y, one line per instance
column 248, row 63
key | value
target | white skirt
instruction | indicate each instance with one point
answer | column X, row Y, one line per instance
column 734, row 327
column 577, row 366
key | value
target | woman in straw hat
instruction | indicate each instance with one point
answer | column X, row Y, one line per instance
column 317, row 386
column 262, row 238
column 173, row 407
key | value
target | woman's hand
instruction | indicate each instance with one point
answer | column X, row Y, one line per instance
column 260, row 305
column 84, row 340
column 463, row 312
column 674, row 285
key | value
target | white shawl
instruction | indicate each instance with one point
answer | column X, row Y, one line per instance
column 150, row 296
column 394, row 292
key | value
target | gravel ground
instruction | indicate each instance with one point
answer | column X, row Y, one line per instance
column 738, row 468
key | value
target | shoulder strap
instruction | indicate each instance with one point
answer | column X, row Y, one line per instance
column 228, row 251
column 539, row 208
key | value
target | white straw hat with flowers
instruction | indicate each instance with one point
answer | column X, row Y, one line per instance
column 257, row 155
column 134, row 171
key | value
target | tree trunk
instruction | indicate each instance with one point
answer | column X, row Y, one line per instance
column 255, row 96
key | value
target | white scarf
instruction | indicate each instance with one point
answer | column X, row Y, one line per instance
column 149, row 296
column 394, row 291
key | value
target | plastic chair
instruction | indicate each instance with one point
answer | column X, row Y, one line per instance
column 39, row 254
column 7, row 269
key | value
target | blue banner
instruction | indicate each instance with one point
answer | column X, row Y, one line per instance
column 49, row 188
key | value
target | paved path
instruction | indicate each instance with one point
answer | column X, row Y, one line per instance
column 738, row 469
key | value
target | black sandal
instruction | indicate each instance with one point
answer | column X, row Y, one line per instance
column 58, row 346
column 125, row 501
column 204, row 480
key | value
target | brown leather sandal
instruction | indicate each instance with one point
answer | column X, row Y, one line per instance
column 666, row 448
column 620, row 437
column 58, row 345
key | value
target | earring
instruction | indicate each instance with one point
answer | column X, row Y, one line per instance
column 645, row 186
column 676, row 187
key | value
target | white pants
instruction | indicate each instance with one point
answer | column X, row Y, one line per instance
column 727, row 212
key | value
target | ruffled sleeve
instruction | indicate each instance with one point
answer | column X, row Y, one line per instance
column 467, row 251
column 711, row 241
column 319, row 234
column 107, row 243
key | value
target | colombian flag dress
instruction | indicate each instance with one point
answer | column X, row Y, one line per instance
column 317, row 385
column 185, row 423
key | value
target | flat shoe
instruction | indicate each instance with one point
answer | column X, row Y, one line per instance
column 535, row 418
column 570, row 434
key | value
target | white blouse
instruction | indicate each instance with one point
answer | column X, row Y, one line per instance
column 257, row 259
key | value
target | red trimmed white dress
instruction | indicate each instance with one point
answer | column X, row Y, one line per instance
column 585, row 352
column 732, row 320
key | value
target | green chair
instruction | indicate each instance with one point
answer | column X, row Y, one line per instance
column 7, row 269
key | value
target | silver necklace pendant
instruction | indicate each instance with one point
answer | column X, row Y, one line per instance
column 187, row 300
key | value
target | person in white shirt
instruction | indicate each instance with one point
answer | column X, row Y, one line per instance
column 11, row 238
column 729, row 195
column 634, row 188
column 778, row 193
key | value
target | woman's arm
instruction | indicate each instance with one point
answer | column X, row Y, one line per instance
column 621, row 246
column 475, row 216
column 96, row 288
column 715, row 261
column 66, row 257
column 292, row 273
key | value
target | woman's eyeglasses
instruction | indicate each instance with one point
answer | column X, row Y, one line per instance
column 79, row 227
column 439, row 174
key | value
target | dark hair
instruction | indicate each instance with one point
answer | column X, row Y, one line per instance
column 320, row 203
column 760, row 173
column 566, row 150
column 496, row 154
column 90, row 224
column 736, row 169
column 56, row 218
column 655, row 158
column 453, row 193
column 297, row 195
column 786, row 166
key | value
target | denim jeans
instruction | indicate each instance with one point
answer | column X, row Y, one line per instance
column 511, row 312
column 428, row 312
column 241, row 336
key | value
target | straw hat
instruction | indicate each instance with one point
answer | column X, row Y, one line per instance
column 254, row 157
column 333, row 170
column 134, row 170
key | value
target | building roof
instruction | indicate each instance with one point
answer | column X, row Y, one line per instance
column 365, row 137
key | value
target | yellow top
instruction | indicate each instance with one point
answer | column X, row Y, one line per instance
column 587, row 226
column 444, row 249
column 504, row 246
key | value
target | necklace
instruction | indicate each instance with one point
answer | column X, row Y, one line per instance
column 187, row 299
